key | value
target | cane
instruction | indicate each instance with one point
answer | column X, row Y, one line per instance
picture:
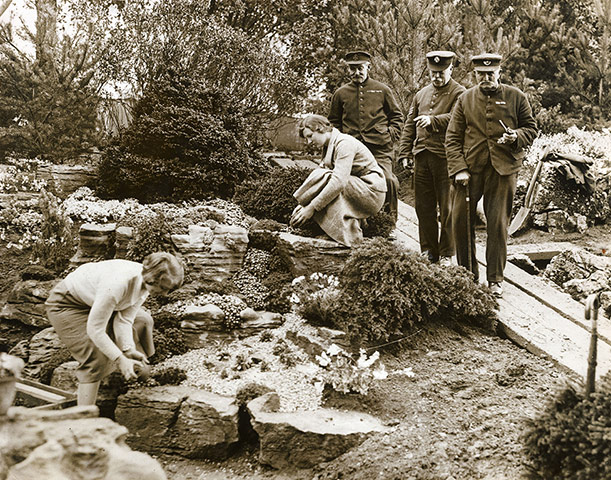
column 591, row 313
column 469, row 246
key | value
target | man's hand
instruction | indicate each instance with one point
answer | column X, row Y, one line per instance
column 422, row 121
column 462, row 178
column 408, row 163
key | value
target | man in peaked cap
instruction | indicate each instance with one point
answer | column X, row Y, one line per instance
column 423, row 140
column 367, row 109
column 490, row 127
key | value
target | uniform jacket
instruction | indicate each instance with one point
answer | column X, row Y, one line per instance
column 436, row 103
column 471, row 138
column 368, row 111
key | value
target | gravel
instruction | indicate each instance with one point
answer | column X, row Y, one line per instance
column 224, row 368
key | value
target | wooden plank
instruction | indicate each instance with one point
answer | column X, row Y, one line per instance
column 539, row 251
column 39, row 393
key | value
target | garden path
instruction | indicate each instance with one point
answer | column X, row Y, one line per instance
column 532, row 312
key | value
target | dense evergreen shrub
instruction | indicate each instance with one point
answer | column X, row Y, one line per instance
column 150, row 236
column 378, row 225
column 170, row 376
column 185, row 142
column 571, row 438
column 168, row 344
column 271, row 196
column 386, row 291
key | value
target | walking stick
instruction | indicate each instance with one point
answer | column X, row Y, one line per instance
column 591, row 312
column 469, row 246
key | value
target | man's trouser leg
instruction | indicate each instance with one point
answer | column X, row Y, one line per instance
column 384, row 155
column 498, row 200
column 459, row 221
column 426, row 204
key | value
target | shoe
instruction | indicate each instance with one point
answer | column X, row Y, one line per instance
column 496, row 288
column 428, row 255
column 445, row 261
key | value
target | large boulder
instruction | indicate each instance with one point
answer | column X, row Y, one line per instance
column 305, row 255
column 69, row 444
column 180, row 420
column 305, row 439
column 44, row 346
column 213, row 254
column 68, row 178
column 95, row 242
column 25, row 303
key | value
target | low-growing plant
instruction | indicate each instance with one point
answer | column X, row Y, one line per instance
column 385, row 291
column 242, row 362
column 279, row 290
column 571, row 438
column 345, row 375
column 266, row 336
column 314, row 297
column 271, row 196
column 56, row 244
column 150, row 236
column 170, row 376
column 379, row 225
column 168, row 344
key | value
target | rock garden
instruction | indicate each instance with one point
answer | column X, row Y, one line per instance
column 285, row 355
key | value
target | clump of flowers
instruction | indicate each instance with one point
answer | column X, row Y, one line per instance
column 251, row 287
column 344, row 374
column 314, row 297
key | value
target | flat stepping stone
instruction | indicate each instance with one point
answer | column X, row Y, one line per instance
column 305, row 439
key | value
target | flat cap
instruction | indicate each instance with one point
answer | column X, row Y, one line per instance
column 439, row 60
column 486, row 62
column 358, row 57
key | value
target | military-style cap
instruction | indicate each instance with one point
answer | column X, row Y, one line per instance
column 357, row 58
column 439, row 60
column 486, row 62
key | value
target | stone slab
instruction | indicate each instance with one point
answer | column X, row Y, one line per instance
column 539, row 251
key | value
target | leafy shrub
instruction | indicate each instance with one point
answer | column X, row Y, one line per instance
column 278, row 285
column 168, row 344
column 385, row 291
column 56, row 244
column 185, row 142
column 249, row 392
column 170, row 376
column 571, row 439
column 379, row 225
column 150, row 236
column 314, row 297
column 271, row 196
column 37, row 272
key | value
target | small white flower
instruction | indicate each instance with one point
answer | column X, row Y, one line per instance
column 297, row 280
column 380, row 373
column 333, row 349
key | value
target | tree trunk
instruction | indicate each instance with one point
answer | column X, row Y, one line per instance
column 46, row 29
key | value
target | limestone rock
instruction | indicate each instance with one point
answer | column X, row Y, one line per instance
column 122, row 237
column 95, row 241
column 524, row 262
column 70, row 444
column 580, row 288
column 43, row 347
column 306, row 255
column 25, row 303
column 215, row 259
column 261, row 320
column 202, row 318
column 314, row 345
column 555, row 221
column 68, row 178
column 180, row 420
column 305, row 439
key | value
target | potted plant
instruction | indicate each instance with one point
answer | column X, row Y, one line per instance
column 10, row 371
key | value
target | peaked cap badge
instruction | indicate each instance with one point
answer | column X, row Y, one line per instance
column 487, row 62
column 436, row 59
